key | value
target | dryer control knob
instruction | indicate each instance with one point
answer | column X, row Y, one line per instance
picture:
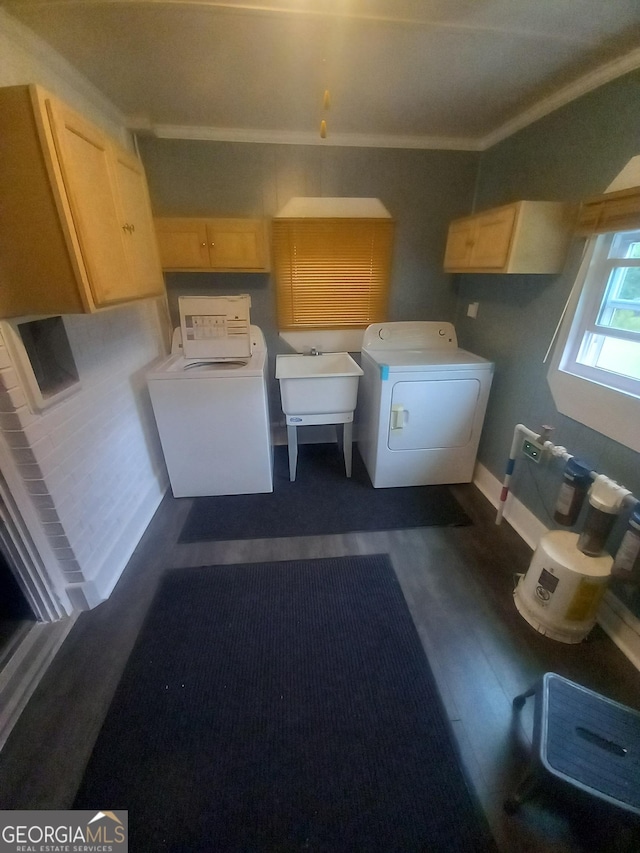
column 384, row 334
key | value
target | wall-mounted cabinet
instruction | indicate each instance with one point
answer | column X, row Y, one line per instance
column 220, row 245
column 523, row 237
column 76, row 230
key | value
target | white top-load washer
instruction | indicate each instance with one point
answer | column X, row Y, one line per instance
column 212, row 414
column 421, row 406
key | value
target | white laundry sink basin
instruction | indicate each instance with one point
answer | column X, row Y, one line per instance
column 318, row 384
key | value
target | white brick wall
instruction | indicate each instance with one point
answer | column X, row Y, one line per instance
column 92, row 462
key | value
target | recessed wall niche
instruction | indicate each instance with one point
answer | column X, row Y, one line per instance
column 42, row 356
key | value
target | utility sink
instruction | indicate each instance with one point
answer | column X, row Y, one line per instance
column 318, row 389
column 318, row 385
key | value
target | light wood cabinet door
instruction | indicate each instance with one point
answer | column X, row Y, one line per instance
column 40, row 261
column 460, row 243
column 237, row 244
column 136, row 221
column 84, row 155
column 76, row 230
column 183, row 243
column 220, row 245
column 492, row 237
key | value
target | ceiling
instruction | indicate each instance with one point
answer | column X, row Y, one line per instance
column 402, row 73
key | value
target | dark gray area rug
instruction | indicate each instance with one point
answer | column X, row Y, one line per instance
column 282, row 707
column 321, row 501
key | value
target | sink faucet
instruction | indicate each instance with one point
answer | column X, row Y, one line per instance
column 314, row 351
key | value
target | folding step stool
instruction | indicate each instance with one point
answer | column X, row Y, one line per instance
column 588, row 741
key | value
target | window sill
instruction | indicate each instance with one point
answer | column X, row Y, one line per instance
column 604, row 409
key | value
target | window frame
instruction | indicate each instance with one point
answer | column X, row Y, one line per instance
column 598, row 282
column 598, row 398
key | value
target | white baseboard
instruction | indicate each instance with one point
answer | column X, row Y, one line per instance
column 22, row 672
column 614, row 618
column 92, row 592
column 524, row 522
column 621, row 625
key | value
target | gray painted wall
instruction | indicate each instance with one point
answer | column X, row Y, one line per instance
column 574, row 152
column 423, row 191
column 571, row 154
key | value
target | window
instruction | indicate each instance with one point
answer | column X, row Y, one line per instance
column 595, row 374
column 332, row 273
column 605, row 345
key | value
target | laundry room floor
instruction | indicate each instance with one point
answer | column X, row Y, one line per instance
column 458, row 584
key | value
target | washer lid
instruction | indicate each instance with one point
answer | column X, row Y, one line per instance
column 179, row 367
column 406, row 361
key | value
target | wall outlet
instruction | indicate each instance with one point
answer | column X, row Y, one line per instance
column 472, row 309
column 532, row 449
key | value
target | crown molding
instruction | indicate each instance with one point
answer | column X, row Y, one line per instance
column 286, row 137
column 585, row 84
column 582, row 86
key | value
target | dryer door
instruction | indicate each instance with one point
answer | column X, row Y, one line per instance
column 432, row 413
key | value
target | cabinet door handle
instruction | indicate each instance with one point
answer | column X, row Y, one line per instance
column 128, row 228
column 213, row 244
column 203, row 244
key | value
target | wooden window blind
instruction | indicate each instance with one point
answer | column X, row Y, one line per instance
column 332, row 273
column 617, row 211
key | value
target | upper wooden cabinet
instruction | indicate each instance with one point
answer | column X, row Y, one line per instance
column 76, row 230
column 223, row 245
column 523, row 237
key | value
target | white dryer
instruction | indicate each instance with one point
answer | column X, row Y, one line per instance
column 421, row 406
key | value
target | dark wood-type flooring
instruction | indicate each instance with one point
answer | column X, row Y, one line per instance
column 458, row 583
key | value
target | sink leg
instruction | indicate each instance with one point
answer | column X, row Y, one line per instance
column 347, row 432
column 292, row 442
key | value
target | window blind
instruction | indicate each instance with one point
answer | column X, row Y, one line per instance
column 332, row 273
column 617, row 211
